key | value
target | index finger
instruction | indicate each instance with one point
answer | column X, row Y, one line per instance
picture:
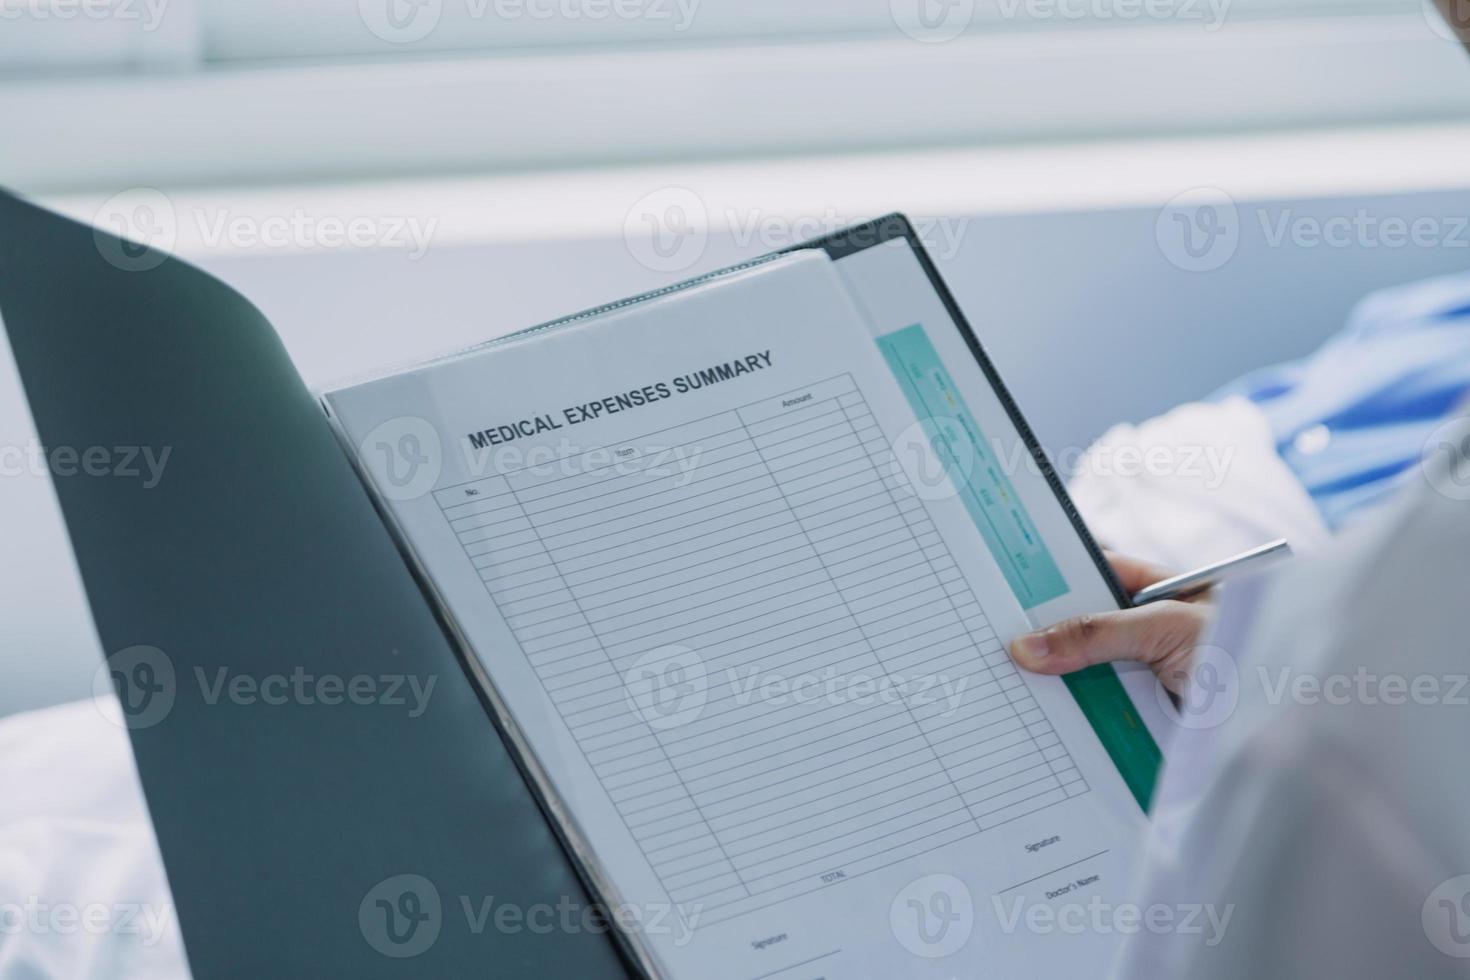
column 1135, row 574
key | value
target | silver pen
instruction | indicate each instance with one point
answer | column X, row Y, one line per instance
column 1193, row 583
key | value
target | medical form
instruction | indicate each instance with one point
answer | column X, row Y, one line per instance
column 738, row 566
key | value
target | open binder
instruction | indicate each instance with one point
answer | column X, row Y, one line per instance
column 303, row 839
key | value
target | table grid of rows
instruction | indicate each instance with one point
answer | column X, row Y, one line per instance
column 776, row 543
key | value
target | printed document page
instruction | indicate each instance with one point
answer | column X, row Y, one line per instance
column 759, row 664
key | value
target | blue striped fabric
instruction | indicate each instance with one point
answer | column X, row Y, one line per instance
column 1351, row 418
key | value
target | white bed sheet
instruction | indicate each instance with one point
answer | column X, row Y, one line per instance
column 82, row 887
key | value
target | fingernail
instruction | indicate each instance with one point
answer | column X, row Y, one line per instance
column 1033, row 646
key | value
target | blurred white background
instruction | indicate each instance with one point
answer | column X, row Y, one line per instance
column 389, row 179
column 212, row 91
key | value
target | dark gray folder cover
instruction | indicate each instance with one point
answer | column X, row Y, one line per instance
column 301, row 838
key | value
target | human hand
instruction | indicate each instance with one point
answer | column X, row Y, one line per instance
column 1162, row 635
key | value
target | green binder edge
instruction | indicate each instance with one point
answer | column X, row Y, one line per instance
column 1098, row 690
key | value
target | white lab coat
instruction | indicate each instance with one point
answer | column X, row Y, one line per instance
column 1331, row 823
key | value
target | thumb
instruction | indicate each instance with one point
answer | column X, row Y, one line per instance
column 1156, row 634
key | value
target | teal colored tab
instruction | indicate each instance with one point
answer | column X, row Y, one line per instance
column 969, row 461
column 1014, row 541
